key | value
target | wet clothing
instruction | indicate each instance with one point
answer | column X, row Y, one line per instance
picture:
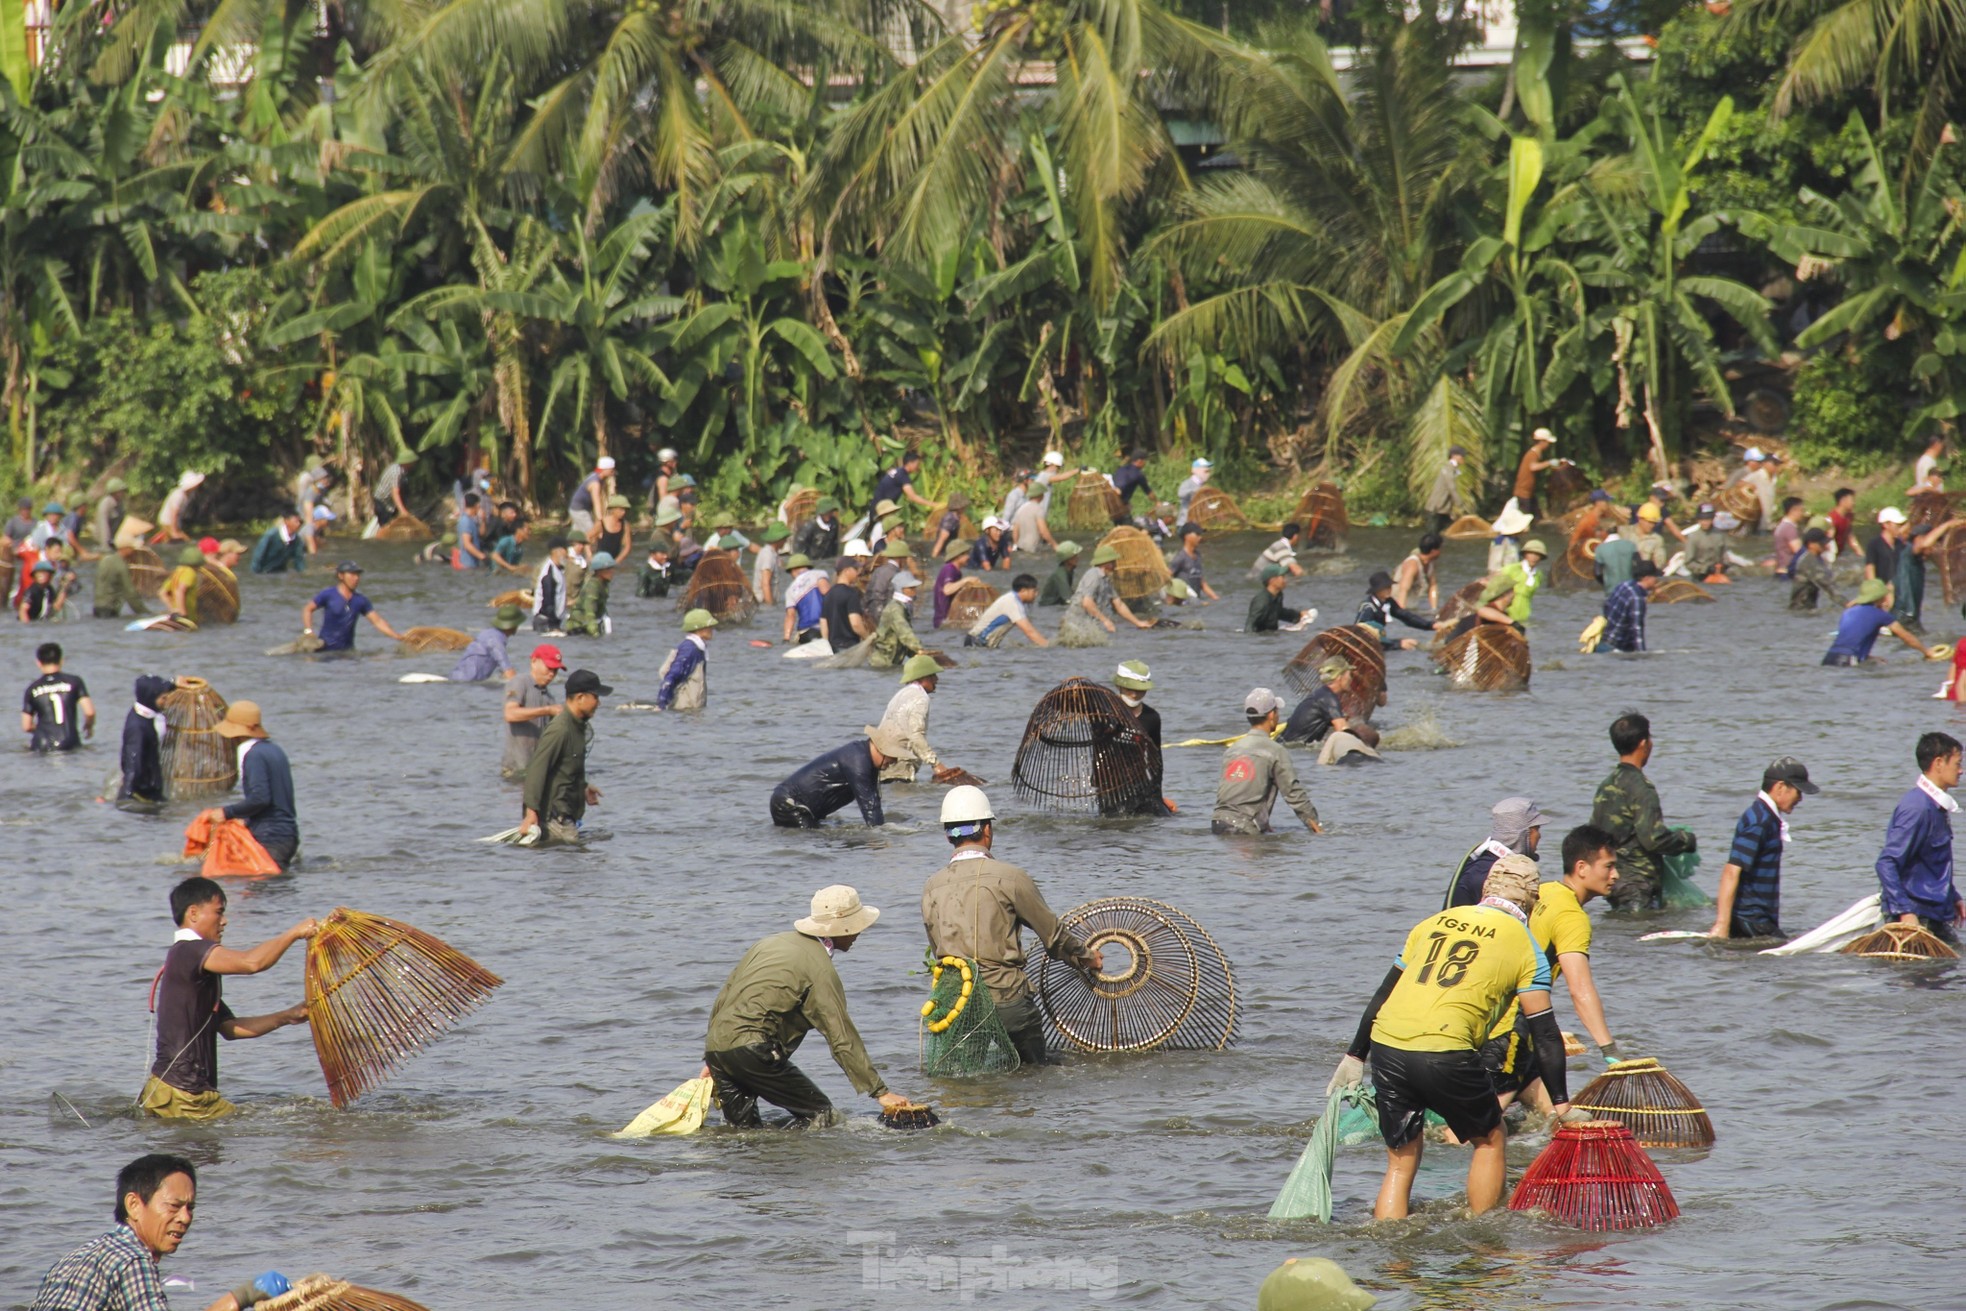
column 1706, row 552
column 1098, row 585
column 879, row 590
column 1520, row 580
column 485, row 658
column 764, row 568
column 1856, row 633
column 115, row 588
column 1881, row 555
column 843, row 776
column 1788, row 541
column 1027, row 528
column 113, row 1273
column 1814, row 579
column 55, row 701
column 1647, row 546
column 1268, row 613
column 986, row 554
column 1914, row 871
column 1129, row 479
column 805, row 599
column 652, row 580
column 1189, row 489
column 384, row 493
column 183, row 582
column 335, row 616
column 1279, row 553
column 1759, row 838
column 278, row 551
column 745, row 1076
column 817, row 539
column 976, row 907
column 1472, row 872
column 556, row 776
column 1186, row 567
column 1841, row 527
column 143, row 739
column 582, row 500
column 689, row 661
column 1311, row 721
column 1908, row 589
column 783, row 988
column 841, row 604
column 1059, row 586
column 588, row 617
column 1613, row 562
column 549, row 596
column 1624, row 618
column 521, row 739
column 39, row 600
column 1561, row 927
column 108, row 519
column 1444, row 497
column 612, row 540
column 1255, row 772
column 190, row 1008
column 1378, row 612
column 949, row 573
column 266, row 799
column 1627, row 807
column 906, row 716
column 1454, row 1085
column 997, row 620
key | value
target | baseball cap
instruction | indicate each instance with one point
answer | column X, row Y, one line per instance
column 1754, row 453
column 1890, row 514
column 322, row 514
column 1202, row 462
column 1706, row 510
column 583, row 681
column 1261, row 701
column 605, row 463
column 549, row 656
column 600, row 560
column 348, row 567
column 208, row 545
column 1599, row 494
column 1791, row 771
column 1454, row 451
column 1544, row 435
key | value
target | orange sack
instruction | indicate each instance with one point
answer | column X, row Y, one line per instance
column 229, row 849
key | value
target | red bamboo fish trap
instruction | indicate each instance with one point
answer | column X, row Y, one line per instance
column 1322, row 514
column 405, row 528
column 1659, row 1110
column 147, row 569
column 1094, row 504
column 326, row 1293
column 1596, row 1177
column 1469, row 528
column 1357, row 645
column 422, row 641
column 1142, row 570
column 1675, row 590
column 719, row 586
column 376, row 991
column 1487, row 658
column 1901, row 942
column 218, row 595
column 969, row 602
column 1214, row 510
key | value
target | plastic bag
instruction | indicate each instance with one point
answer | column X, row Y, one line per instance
column 1306, row 1193
column 1677, row 890
column 681, row 1112
column 229, row 848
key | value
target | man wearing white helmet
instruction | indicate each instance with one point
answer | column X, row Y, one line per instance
column 1197, row 478
column 589, row 497
column 976, row 906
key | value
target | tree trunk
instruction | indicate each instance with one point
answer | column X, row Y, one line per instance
column 600, row 414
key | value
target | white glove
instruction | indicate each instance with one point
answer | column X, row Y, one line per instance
column 1350, row 1074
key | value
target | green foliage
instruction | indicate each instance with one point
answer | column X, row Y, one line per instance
column 1848, row 413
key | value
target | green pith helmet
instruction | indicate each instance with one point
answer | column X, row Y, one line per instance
column 1105, row 555
column 448, row 539
column 664, row 518
column 1134, row 676
column 1068, row 548
column 776, row 532
column 797, row 560
column 508, row 618
column 956, row 549
column 920, row 665
column 1335, row 667
column 115, row 486
column 896, row 549
column 1180, row 591
column 1311, row 1284
column 191, row 557
column 826, row 505
column 1535, row 544
column 698, row 619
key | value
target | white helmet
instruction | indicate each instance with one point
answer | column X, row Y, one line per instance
column 665, row 455
column 966, row 807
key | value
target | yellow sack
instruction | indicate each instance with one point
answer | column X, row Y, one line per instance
column 1593, row 634
column 682, row 1111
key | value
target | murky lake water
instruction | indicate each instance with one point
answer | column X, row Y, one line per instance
column 482, row 1176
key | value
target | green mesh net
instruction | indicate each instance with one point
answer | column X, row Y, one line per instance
column 1677, row 890
column 960, row 1031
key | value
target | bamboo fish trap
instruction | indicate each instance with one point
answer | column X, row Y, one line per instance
column 1601, row 511
column 1930, row 509
column 1946, row 553
column 197, row 762
column 218, row 595
column 1083, row 752
column 1901, row 942
column 1462, row 603
column 422, row 641
column 1579, row 567
column 1659, row 1110
column 1215, row 510
column 1142, row 571
column 1567, row 485
column 1163, row 983
column 799, row 507
column 1322, row 513
column 8, row 564
column 1469, row 528
column 1487, row 658
column 1675, row 590
column 1094, row 504
column 326, row 1293
column 719, row 586
column 969, row 602
column 377, row 991
column 405, row 528
column 1594, row 1176
column 147, row 570
column 1357, row 645
column 1741, row 502
column 519, row 596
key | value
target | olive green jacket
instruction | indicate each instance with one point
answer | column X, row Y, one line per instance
column 976, row 907
column 894, row 639
column 556, row 776
column 1627, row 807
column 784, row 988
column 589, row 608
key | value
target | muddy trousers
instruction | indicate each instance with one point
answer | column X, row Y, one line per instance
column 745, row 1075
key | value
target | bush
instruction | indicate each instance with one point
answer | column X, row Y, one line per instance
column 1848, row 413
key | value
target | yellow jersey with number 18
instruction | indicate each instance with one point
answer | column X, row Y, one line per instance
column 1460, row 970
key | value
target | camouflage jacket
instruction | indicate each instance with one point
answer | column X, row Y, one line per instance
column 1627, row 807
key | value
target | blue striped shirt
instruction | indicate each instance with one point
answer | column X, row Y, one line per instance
column 1757, row 850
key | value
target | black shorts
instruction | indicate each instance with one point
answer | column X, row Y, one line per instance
column 1511, row 1059
column 1452, row 1085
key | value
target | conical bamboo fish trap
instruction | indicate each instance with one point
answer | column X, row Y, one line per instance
column 1594, row 1176
column 1579, row 567
column 326, row 1293
column 1469, row 528
column 1946, row 554
column 1163, row 982
column 1602, row 511
column 1142, row 570
column 147, row 570
column 519, row 596
column 1659, row 1110
column 376, row 991
column 1901, row 942
column 719, row 586
column 1083, row 752
column 969, row 602
column 800, row 506
column 1322, row 514
column 197, row 762
column 1675, row 590
column 1460, row 605
column 1741, row 502
column 1567, row 485
column 422, row 641
column 1094, row 505
column 405, row 528
column 1216, row 511
column 9, row 562
column 1930, row 509
column 1487, row 658
column 1357, row 645
column 218, row 595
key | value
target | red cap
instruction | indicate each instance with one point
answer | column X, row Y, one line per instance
column 208, row 545
column 549, row 656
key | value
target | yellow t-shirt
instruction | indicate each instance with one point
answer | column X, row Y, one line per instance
column 1461, row 969
column 1560, row 925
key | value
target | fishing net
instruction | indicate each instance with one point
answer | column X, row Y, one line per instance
column 326, row 1293
column 1469, row 528
column 1567, row 485
column 1142, row 571
column 1677, row 889
column 147, row 571
column 1659, row 1110
column 1163, row 982
column 960, row 1031
column 218, row 595
column 422, row 641
column 1487, row 658
column 1306, row 1194
column 1946, row 554
column 968, row 603
column 1084, row 753
column 1094, row 504
column 1901, row 942
column 1741, row 502
column 857, row 656
column 377, row 991
column 1079, row 629
column 1322, row 513
column 405, row 528
column 1216, row 510
column 719, row 586
column 197, row 762
column 1357, row 645
column 1594, row 1176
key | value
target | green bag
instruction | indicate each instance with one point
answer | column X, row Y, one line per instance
column 1306, row 1193
column 1677, row 890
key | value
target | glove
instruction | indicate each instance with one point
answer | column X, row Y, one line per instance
column 270, row 1284
column 1350, row 1074
column 1612, row 1053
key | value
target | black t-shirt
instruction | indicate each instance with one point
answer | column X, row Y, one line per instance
column 55, row 702
column 1311, row 720
column 1882, row 556
column 190, row 1009
column 843, row 602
